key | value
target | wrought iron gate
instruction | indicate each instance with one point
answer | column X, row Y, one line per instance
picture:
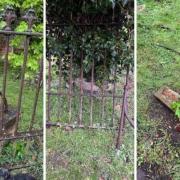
column 11, row 107
column 75, row 100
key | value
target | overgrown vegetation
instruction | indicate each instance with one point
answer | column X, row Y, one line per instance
column 35, row 49
column 22, row 152
column 176, row 107
column 110, row 38
column 157, row 67
column 89, row 31
column 88, row 155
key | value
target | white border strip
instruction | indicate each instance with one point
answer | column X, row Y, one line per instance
column 135, row 90
column 44, row 90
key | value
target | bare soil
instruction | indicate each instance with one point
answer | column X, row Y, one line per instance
column 158, row 111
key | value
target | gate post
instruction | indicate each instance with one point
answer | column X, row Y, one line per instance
column 123, row 114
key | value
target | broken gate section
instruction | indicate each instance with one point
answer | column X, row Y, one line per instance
column 11, row 116
column 77, row 98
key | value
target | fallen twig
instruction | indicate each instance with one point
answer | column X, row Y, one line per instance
column 168, row 48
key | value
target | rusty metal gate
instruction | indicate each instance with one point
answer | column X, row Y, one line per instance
column 76, row 99
column 16, row 121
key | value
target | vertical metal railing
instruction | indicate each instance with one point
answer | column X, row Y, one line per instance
column 90, row 104
column 70, row 87
column 81, row 91
column 60, row 88
column 122, row 119
column 39, row 84
column 113, row 94
column 49, row 90
column 10, row 17
column 92, row 91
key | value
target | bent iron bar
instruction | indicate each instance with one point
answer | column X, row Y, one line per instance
column 37, row 95
column 123, row 114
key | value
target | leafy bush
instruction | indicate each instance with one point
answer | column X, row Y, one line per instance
column 176, row 107
column 36, row 46
column 106, row 45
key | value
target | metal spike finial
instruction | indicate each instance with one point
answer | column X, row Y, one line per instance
column 30, row 18
column 9, row 16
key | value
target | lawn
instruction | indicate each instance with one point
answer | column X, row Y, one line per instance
column 22, row 152
column 158, row 24
column 88, row 154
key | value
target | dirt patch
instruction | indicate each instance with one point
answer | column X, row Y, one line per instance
column 143, row 175
column 160, row 112
column 57, row 160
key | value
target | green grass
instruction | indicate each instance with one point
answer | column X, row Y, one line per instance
column 157, row 24
column 27, row 101
column 21, row 152
column 88, row 154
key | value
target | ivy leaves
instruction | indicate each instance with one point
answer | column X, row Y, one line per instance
column 176, row 107
column 107, row 49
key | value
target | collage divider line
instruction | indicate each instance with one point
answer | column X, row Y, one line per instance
column 135, row 90
column 44, row 90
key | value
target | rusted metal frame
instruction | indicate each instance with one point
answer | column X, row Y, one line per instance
column 59, row 88
column 122, row 118
column 23, row 135
column 126, row 112
column 103, row 98
column 12, row 167
column 49, row 89
column 78, row 126
column 5, row 69
column 15, row 167
column 91, row 96
column 1, row 117
column 81, row 91
column 20, row 33
column 26, row 46
column 36, row 95
column 84, row 95
column 114, row 94
column 59, row 36
column 70, row 87
column 90, row 24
